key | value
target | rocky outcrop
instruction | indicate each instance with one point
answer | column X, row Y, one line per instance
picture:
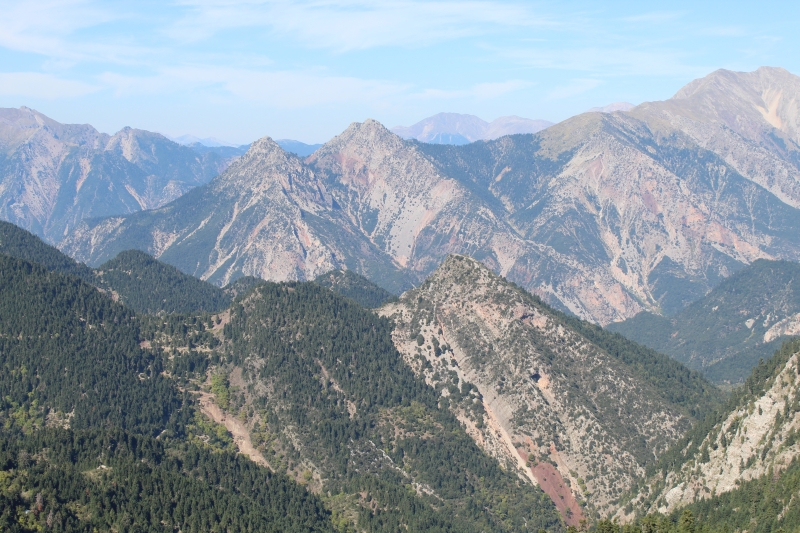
column 532, row 391
column 754, row 437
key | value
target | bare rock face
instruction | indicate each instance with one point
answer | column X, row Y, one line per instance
column 531, row 390
column 53, row 175
column 756, row 437
column 268, row 215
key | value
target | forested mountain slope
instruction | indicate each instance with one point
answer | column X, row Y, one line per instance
column 580, row 410
column 322, row 393
column 604, row 214
column 96, row 437
column 17, row 242
column 739, row 469
column 149, row 286
column 724, row 334
column 308, row 382
column 53, row 175
column 142, row 283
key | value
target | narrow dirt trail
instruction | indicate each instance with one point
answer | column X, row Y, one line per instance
column 241, row 436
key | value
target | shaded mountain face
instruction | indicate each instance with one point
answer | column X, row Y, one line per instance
column 738, row 468
column 603, row 215
column 457, row 129
column 548, row 401
column 724, row 334
column 150, row 287
column 53, row 175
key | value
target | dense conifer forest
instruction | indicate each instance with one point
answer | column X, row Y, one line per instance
column 356, row 287
column 150, row 287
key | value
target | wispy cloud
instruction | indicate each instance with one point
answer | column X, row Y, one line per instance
column 480, row 91
column 654, row 17
column 574, row 88
column 38, row 85
column 285, row 89
column 607, row 60
column 355, row 24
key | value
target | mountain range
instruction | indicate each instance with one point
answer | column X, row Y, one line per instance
column 54, row 175
column 455, row 128
column 604, row 215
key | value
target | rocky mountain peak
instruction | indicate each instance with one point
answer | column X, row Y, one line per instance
column 553, row 405
column 747, row 102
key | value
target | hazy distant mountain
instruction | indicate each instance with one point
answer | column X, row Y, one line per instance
column 455, row 128
column 297, row 147
column 211, row 142
column 610, row 108
column 53, row 175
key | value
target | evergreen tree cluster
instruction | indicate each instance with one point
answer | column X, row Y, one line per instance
column 356, row 287
column 149, row 286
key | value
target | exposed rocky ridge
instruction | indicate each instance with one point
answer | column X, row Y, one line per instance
column 268, row 216
column 750, row 119
column 53, row 175
column 604, row 215
column 549, row 404
column 755, row 435
column 725, row 333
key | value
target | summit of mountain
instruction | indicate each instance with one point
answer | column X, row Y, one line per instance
column 53, row 175
column 457, row 128
column 268, row 215
column 573, row 408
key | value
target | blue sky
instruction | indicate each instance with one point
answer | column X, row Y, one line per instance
column 239, row 70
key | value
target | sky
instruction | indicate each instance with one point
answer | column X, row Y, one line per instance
column 306, row 69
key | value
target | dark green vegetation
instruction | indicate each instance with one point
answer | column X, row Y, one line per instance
column 17, row 242
column 149, row 286
column 70, row 354
column 112, row 480
column 356, row 287
column 70, row 357
column 97, row 434
column 723, row 333
column 241, row 286
column 329, row 395
column 684, row 521
column 141, row 283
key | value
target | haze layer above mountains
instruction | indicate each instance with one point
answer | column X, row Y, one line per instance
column 604, row 214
